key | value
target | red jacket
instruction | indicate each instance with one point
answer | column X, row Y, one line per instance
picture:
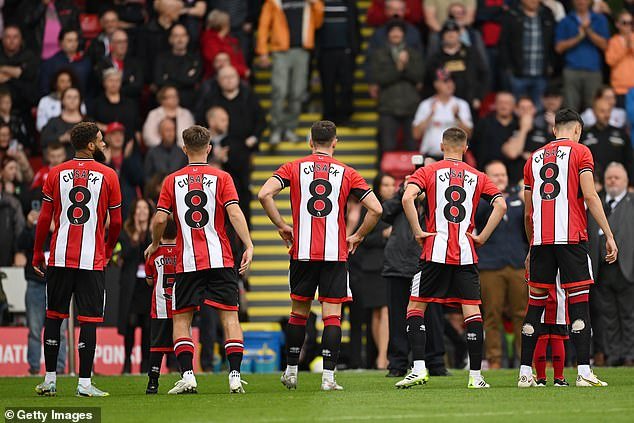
column 211, row 44
column 413, row 12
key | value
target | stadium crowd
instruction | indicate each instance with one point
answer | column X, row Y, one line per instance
column 145, row 70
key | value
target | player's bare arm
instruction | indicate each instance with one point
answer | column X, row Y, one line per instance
column 114, row 229
column 595, row 206
column 158, row 227
column 41, row 232
column 239, row 223
column 499, row 210
column 373, row 206
column 412, row 192
column 528, row 222
column 269, row 190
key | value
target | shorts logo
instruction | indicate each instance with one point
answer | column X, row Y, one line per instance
column 578, row 325
column 528, row 329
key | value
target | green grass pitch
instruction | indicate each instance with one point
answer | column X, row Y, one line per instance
column 368, row 396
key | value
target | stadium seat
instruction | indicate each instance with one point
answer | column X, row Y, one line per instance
column 89, row 25
column 398, row 164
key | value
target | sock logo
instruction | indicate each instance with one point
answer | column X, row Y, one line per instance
column 326, row 353
column 51, row 342
column 422, row 328
column 528, row 329
column 295, row 350
column 156, row 369
column 472, row 336
column 407, row 329
column 81, row 345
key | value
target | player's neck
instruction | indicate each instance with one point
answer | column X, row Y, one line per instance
column 327, row 152
column 168, row 242
column 565, row 136
column 83, row 155
column 197, row 158
column 453, row 156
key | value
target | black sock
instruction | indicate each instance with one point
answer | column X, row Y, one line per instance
column 184, row 350
column 331, row 341
column 531, row 329
column 475, row 340
column 295, row 335
column 86, row 346
column 234, row 349
column 580, row 327
column 156, row 359
column 416, row 334
column 51, row 342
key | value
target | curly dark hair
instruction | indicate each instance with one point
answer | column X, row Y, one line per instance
column 82, row 134
column 74, row 80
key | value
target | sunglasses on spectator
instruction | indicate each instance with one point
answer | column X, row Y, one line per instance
column 625, row 22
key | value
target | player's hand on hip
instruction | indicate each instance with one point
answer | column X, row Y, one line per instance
column 151, row 249
column 420, row 237
column 527, row 264
column 39, row 265
column 286, row 233
column 353, row 242
column 247, row 257
column 478, row 240
column 612, row 250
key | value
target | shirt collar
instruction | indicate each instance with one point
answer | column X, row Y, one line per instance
column 616, row 199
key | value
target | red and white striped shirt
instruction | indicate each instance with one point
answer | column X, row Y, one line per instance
column 453, row 190
column 81, row 192
column 552, row 174
column 320, row 187
column 198, row 195
column 160, row 268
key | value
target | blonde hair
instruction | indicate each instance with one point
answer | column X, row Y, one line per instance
column 217, row 20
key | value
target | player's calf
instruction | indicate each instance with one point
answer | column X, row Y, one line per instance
column 331, row 342
column 530, row 334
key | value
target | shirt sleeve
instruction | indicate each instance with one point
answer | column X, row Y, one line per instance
column 283, row 174
column 358, row 186
column 562, row 32
column 465, row 114
column 114, row 201
column 150, row 271
column 489, row 191
column 166, row 198
column 585, row 161
column 422, row 113
column 418, row 179
column 228, row 195
column 528, row 174
column 47, row 189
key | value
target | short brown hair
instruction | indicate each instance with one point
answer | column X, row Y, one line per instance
column 196, row 138
column 82, row 134
column 323, row 132
column 454, row 137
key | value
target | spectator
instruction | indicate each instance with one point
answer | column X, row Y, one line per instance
column 35, row 299
column 69, row 57
column 526, row 48
column 339, row 43
column 135, row 296
column 50, row 106
column 581, row 37
column 501, row 265
column 287, row 30
column 402, row 254
column 489, row 17
column 243, row 15
column 619, row 55
column 20, row 129
column 468, row 71
column 556, row 8
column 113, row 106
column 44, row 19
column 100, row 46
column 117, row 150
column 168, row 99
column 552, row 100
column 439, row 112
column 618, row 116
column 153, row 37
column 16, row 180
column 397, row 69
column 468, row 36
column 191, row 16
column 395, row 9
column 613, row 293
column 130, row 67
column 218, row 124
column 494, row 130
column 369, row 288
column 216, row 39
column 11, row 224
column 18, row 69
column 246, row 124
column 58, row 128
column 377, row 14
column 178, row 67
column 607, row 143
column 437, row 12
column 166, row 157
column 54, row 154
column 15, row 151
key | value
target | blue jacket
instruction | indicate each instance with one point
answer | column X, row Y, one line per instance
column 508, row 245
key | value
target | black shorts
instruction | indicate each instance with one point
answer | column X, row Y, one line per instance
column 161, row 335
column 553, row 331
column 215, row 287
column 88, row 287
column 449, row 284
column 570, row 260
column 331, row 277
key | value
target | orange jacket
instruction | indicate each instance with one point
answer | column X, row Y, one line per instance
column 621, row 61
column 273, row 32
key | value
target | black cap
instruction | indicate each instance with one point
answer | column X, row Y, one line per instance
column 450, row 25
column 395, row 23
